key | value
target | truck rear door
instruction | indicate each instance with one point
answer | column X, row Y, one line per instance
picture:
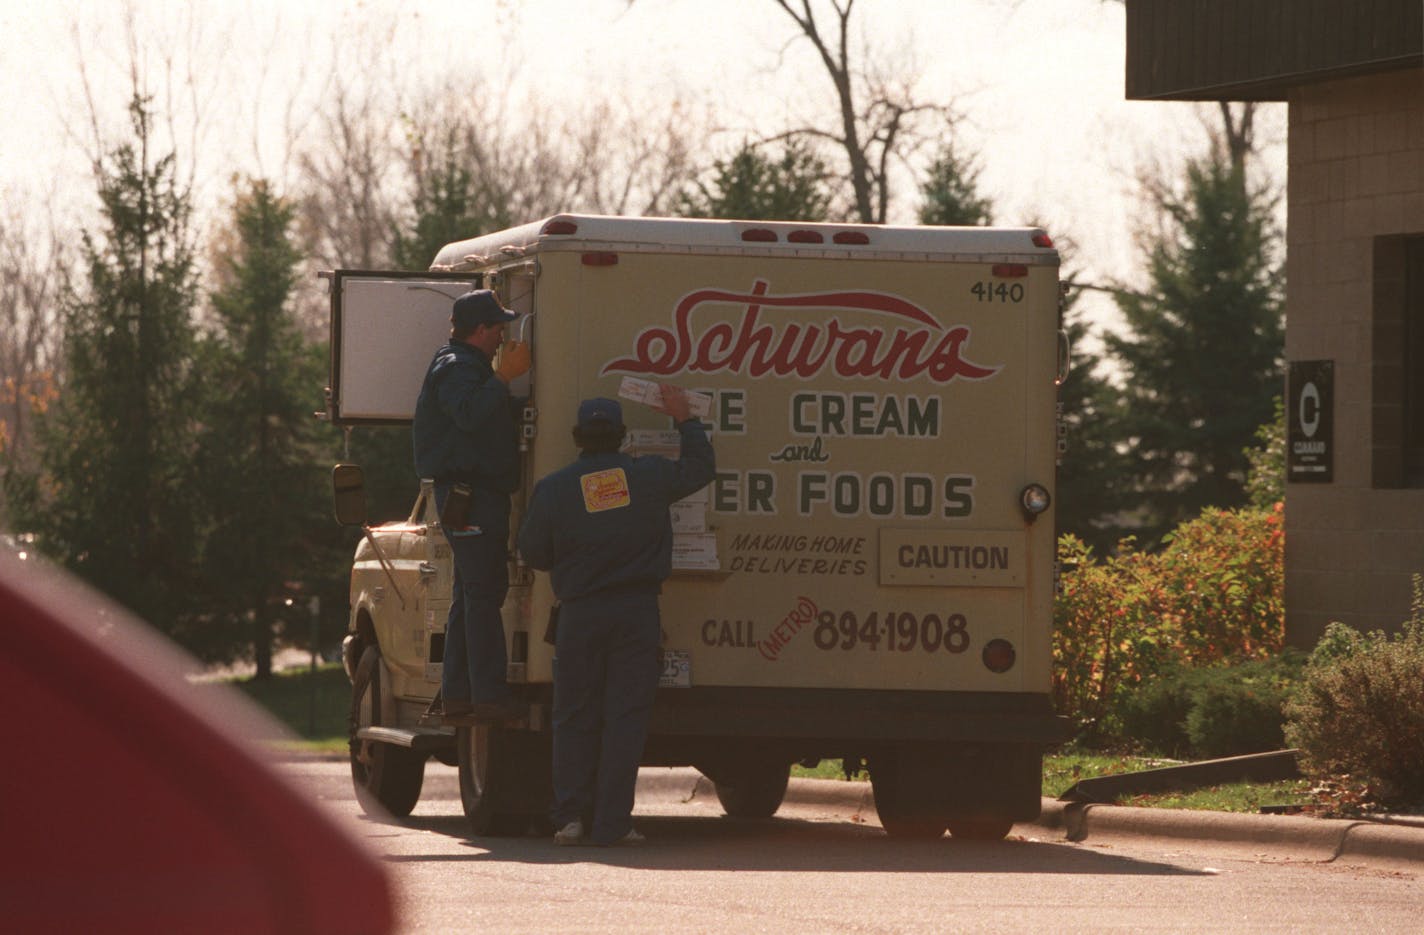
column 384, row 328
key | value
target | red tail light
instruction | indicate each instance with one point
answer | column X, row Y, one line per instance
column 852, row 237
column 1041, row 239
column 759, row 235
column 999, row 656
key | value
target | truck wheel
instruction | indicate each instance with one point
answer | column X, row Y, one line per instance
column 907, row 807
column 387, row 777
column 505, row 780
column 753, row 790
column 980, row 830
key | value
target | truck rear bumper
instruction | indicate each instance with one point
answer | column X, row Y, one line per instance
column 857, row 717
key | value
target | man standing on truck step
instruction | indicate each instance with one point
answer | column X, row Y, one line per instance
column 602, row 530
column 466, row 440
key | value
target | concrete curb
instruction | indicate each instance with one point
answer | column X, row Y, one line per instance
column 1294, row 837
column 1393, row 844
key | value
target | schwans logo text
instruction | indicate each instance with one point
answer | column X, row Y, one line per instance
column 800, row 345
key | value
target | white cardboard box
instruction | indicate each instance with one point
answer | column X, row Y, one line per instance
column 667, row 443
column 650, row 393
column 688, row 516
column 695, row 551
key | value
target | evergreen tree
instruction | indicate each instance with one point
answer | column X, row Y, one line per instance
column 259, row 451
column 755, row 186
column 1091, row 475
column 950, row 194
column 112, row 495
column 1201, row 359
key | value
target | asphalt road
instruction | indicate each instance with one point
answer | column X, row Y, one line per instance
column 823, row 865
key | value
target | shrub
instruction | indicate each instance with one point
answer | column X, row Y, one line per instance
column 1153, row 716
column 1360, row 707
column 1214, row 594
column 1212, row 711
column 1222, row 581
column 1241, row 709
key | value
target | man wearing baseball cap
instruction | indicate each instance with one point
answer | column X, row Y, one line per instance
column 466, row 440
column 601, row 528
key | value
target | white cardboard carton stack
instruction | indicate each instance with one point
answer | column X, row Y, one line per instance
column 694, row 546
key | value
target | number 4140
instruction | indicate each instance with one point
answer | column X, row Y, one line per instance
column 998, row 291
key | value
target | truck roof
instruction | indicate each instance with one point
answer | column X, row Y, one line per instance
column 585, row 232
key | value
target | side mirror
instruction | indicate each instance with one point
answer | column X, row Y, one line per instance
column 348, row 483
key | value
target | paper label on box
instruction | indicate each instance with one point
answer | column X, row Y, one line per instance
column 697, row 550
column 650, row 394
column 667, row 444
column 688, row 517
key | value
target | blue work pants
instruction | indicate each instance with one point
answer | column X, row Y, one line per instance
column 606, row 668
column 475, row 660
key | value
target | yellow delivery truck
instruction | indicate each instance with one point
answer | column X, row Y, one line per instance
column 869, row 577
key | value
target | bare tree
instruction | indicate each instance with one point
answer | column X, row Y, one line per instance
column 880, row 119
column 348, row 181
column 631, row 162
column 525, row 160
column 33, row 277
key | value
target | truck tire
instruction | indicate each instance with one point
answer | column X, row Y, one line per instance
column 753, row 790
column 505, row 780
column 977, row 791
column 387, row 777
column 904, row 799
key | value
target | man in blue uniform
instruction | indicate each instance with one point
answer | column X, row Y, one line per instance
column 601, row 528
column 465, row 438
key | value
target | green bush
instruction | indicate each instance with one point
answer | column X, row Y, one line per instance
column 1153, row 716
column 1212, row 711
column 1241, row 709
column 1360, row 708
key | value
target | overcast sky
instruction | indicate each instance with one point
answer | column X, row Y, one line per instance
column 1040, row 83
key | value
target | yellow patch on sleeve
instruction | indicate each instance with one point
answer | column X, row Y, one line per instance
column 605, row 490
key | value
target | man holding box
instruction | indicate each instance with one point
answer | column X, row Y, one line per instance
column 466, row 440
column 601, row 528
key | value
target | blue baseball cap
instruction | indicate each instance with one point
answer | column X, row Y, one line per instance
column 600, row 409
column 479, row 307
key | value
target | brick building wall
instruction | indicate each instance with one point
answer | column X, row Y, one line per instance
column 1356, row 183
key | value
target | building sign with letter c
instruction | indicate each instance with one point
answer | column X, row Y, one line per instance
column 1310, row 421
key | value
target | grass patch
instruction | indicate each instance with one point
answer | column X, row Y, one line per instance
column 1061, row 770
column 313, row 705
column 1232, row 797
column 826, row 769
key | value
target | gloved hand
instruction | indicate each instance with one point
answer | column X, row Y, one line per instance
column 675, row 403
column 514, row 361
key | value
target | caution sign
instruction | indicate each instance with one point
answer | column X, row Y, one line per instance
column 605, row 490
column 1310, row 422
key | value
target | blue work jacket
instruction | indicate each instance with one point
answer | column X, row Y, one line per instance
column 464, row 422
column 602, row 523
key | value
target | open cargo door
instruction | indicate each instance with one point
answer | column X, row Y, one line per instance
column 385, row 326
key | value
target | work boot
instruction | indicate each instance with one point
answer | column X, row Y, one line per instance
column 631, row 839
column 570, row 834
